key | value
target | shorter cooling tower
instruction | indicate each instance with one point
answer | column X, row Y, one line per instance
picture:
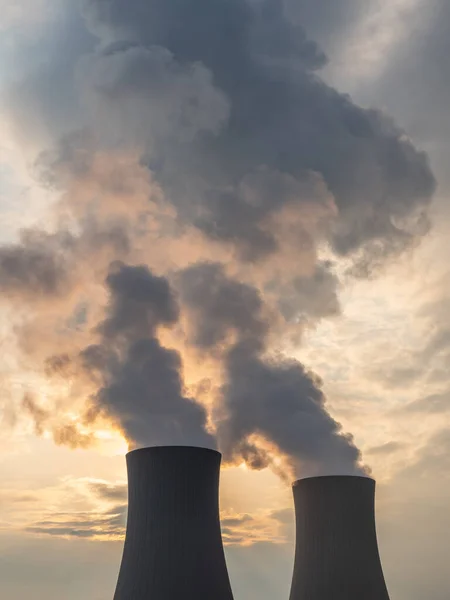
column 173, row 546
column 336, row 554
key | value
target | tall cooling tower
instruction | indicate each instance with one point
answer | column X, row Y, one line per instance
column 336, row 555
column 173, row 546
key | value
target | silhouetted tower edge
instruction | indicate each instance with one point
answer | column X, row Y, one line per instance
column 336, row 553
column 173, row 545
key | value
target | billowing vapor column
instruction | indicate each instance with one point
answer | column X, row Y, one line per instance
column 173, row 545
column 336, row 555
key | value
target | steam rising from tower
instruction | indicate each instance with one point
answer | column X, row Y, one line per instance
column 336, row 555
column 173, row 546
column 198, row 128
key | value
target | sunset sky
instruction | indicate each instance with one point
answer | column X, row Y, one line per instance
column 223, row 224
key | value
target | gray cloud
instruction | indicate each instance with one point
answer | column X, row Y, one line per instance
column 151, row 98
column 141, row 383
column 281, row 116
column 109, row 492
column 279, row 399
column 44, row 266
column 313, row 297
column 232, row 521
column 110, row 524
column 219, row 305
column 263, row 395
column 139, row 303
column 222, row 103
column 330, row 21
column 36, row 266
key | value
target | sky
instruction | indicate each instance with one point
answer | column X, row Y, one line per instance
column 222, row 224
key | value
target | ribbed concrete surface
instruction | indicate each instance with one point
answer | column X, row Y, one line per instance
column 173, row 547
column 336, row 556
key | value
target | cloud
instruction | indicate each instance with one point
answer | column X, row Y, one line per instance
column 385, row 449
column 34, row 267
column 263, row 394
column 216, row 139
column 279, row 399
column 329, row 22
column 140, row 381
column 219, row 305
column 41, row 93
column 108, row 525
column 63, row 433
column 311, row 297
column 251, row 529
column 153, row 99
column 109, row 492
column 378, row 179
column 432, row 404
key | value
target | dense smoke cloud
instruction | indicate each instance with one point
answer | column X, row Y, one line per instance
column 140, row 381
column 202, row 131
column 263, row 394
column 281, row 116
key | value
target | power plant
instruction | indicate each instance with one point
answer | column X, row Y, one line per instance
column 336, row 554
column 173, row 545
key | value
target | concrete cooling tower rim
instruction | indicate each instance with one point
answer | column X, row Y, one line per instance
column 165, row 449
column 331, row 477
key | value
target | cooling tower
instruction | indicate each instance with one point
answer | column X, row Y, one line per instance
column 336, row 554
column 173, row 546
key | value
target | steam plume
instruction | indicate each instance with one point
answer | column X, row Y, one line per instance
column 200, row 129
column 264, row 394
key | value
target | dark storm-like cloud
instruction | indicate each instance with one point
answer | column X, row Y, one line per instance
column 140, row 380
column 282, row 116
